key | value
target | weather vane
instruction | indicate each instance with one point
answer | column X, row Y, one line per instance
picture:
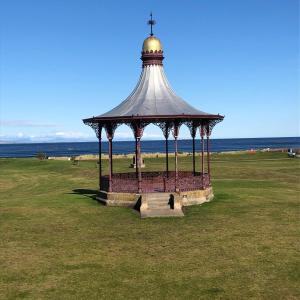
column 151, row 23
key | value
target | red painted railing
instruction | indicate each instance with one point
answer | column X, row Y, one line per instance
column 156, row 182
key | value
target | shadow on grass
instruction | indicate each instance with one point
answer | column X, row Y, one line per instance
column 92, row 194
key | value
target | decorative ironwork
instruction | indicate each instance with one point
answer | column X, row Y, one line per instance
column 97, row 127
column 152, row 58
column 168, row 181
column 192, row 126
column 138, row 128
column 202, row 130
column 156, row 182
column 209, row 125
column 110, row 128
column 175, row 128
column 165, row 128
column 154, row 118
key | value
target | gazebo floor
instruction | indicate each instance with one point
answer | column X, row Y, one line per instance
column 153, row 182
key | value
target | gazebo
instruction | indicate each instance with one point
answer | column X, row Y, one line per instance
column 153, row 101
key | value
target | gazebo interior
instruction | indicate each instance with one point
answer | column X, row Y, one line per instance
column 168, row 180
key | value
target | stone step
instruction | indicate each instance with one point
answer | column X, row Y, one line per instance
column 158, row 204
column 152, row 213
column 159, row 207
column 158, row 195
column 160, row 198
column 156, row 201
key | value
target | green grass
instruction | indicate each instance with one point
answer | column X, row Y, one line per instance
column 59, row 244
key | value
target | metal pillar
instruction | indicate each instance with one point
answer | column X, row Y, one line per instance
column 100, row 158
column 175, row 134
column 202, row 154
column 167, row 157
column 194, row 163
column 110, row 171
column 208, row 157
column 176, row 165
column 110, row 129
column 139, row 164
column 138, row 132
column 136, row 155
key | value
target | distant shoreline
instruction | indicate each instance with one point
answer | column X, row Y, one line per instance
column 89, row 157
column 148, row 147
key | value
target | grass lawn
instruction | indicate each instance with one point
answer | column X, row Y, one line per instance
column 56, row 243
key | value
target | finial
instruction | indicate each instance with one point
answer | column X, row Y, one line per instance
column 151, row 23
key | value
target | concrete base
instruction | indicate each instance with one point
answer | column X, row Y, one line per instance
column 118, row 199
column 161, row 205
column 157, row 204
column 196, row 197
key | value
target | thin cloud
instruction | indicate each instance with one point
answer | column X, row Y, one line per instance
column 74, row 136
column 25, row 123
column 59, row 136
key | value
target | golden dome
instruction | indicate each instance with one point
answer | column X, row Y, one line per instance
column 152, row 43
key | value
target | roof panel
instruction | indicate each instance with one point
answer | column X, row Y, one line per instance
column 152, row 95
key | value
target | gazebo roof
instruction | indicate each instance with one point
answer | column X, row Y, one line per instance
column 152, row 96
column 153, row 99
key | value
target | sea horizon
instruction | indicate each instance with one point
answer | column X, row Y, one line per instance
column 132, row 139
column 62, row 148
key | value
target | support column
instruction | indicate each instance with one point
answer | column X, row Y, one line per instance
column 194, row 163
column 175, row 134
column 167, row 157
column 176, row 165
column 100, row 155
column 110, row 170
column 110, row 128
column 202, row 154
column 208, row 154
column 139, row 164
column 138, row 132
column 136, row 155
column 193, row 130
column 165, row 127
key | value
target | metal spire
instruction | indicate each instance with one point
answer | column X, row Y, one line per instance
column 151, row 22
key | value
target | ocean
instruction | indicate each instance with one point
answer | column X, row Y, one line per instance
column 125, row 147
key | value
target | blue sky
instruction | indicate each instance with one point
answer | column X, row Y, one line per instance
column 62, row 61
